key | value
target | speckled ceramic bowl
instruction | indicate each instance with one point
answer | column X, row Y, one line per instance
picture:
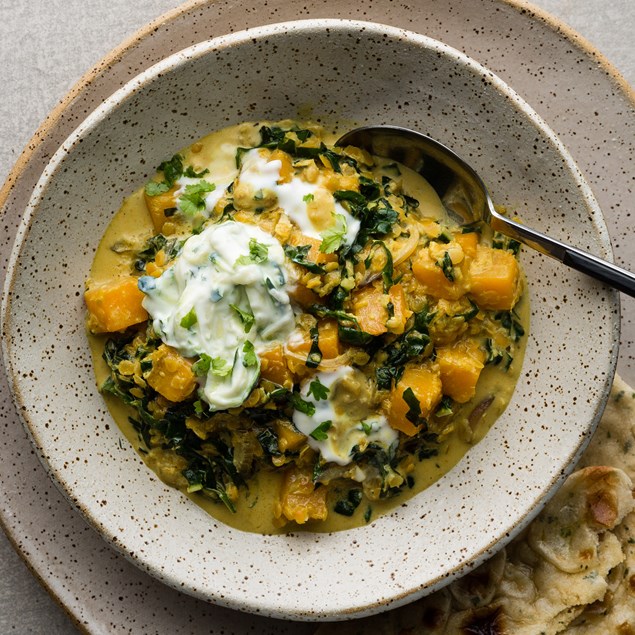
column 339, row 71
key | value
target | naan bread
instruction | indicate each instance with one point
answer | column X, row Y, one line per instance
column 572, row 571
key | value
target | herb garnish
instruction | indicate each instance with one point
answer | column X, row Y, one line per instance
column 333, row 237
column 246, row 318
column 192, row 200
column 258, row 253
column 250, row 357
column 189, row 320
column 320, row 433
column 318, row 389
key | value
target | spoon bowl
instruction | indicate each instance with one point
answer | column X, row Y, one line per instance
column 467, row 200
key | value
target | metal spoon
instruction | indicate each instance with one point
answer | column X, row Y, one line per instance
column 464, row 194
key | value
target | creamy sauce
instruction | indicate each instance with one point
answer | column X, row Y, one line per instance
column 209, row 260
column 344, row 412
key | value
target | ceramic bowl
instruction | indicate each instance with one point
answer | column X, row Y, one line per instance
column 338, row 71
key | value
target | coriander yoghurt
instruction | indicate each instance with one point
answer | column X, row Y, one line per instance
column 223, row 300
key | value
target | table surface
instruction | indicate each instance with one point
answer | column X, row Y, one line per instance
column 46, row 46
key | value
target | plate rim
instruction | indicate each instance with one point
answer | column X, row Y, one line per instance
column 102, row 68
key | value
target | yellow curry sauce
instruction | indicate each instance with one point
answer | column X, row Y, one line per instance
column 296, row 335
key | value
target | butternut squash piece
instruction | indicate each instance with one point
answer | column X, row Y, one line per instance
column 303, row 296
column 288, row 437
column 328, row 340
column 171, row 374
column 286, row 168
column 300, row 499
column 157, row 205
column 369, row 307
column 430, row 227
column 426, row 387
column 115, row 305
column 273, row 367
column 460, row 367
column 432, row 279
column 468, row 242
column 401, row 312
column 314, row 255
column 494, row 279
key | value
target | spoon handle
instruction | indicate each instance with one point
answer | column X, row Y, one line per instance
column 593, row 266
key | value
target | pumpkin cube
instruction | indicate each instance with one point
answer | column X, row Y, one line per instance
column 157, row 206
column 429, row 272
column 171, row 374
column 273, row 367
column 115, row 305
column 300, row 499
column 424, row 383
column 494, row 279
column 460, row 367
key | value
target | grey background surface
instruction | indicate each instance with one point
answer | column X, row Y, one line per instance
column 46, row 46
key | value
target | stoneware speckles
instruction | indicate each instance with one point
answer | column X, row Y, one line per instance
column 382, row 75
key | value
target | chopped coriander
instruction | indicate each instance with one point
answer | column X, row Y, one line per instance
column 154, row 189
column 192, row 200
column 220, row 367
column 320, row 433
column 246, row 318
column 367, row 428
column 250, row 359
column 307, row 198
column 333, row 237
column 318, row 389
column 191, row 173
column 201, row 367
column 189, row 320
column 172, row 169
column 299, row 404
column 258, row 253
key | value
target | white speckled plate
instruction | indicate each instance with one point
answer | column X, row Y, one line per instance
column 71, row 571
column 367, row 73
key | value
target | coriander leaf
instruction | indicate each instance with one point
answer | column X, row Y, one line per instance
column 367, row 428
column 307, row 198
column 305, row 407
column 250, row 357
column 258, row 253
column 154, row 189
column 193, row 199
column 320, row 433
column 172, row 169
column 318, row 389
column 220, row 367
column 201, row 367
column 189, row 320
column 333, row 237
column 247, row 318
column 192, row 174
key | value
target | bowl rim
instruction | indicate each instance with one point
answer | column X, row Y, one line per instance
column 171, row 63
